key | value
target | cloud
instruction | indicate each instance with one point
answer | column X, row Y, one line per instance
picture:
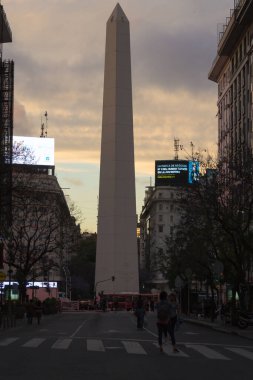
column 58, row 49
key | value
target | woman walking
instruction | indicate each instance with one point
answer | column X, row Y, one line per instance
column 163, row 316
column 173, row 319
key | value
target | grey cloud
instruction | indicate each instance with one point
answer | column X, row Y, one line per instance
column 173, row 61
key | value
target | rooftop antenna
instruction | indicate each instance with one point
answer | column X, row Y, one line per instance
column 46, row 123
column 43, row 125
column 192, row 148
column 176, row 147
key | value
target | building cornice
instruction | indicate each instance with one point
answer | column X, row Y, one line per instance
column 236, row 25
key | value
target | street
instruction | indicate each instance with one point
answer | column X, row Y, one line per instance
column 108, row 346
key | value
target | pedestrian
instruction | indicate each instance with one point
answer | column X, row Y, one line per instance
column 140, row 313
column 163, row 316
column 30, row 312
column 38, row 311
column 173, row 319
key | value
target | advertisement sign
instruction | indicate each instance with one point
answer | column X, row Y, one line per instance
column 33, row 151
column 176, row 172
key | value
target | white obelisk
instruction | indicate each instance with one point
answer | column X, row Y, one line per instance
column 116, row 255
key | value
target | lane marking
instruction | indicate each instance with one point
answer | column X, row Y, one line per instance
column 241, row 352
column 207, row 352
column 78, row 328
column 134, row 348
column 62, row 344
column 7, row 341
column 35, row 342
column 95, row 345
column 169, row 351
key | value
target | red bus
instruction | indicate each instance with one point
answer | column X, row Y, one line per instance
column 127, row 301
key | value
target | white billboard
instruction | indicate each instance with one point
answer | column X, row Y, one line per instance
column 33, row 151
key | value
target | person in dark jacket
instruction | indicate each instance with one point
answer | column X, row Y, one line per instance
column 163, row 316
column 140, row 313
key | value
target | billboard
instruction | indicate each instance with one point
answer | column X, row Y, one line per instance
column 176, row 172
column 33, row 151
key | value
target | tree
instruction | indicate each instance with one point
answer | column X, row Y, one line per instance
column 82, row 267
column 40, row 232
column 216, row 226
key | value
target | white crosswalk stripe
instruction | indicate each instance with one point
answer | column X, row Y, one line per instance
column 207, row 352
column 134, row 348
column 168, row 351
column 241, row 351
column 62, row 344
column 33, row 343
column 7, row 341
column 95, row 345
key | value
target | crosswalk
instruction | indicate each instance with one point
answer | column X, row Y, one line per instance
column 132, row 347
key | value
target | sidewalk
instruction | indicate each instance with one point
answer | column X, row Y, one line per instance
column 220, row 326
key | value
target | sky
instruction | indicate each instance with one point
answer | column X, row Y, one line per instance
column 58, row 48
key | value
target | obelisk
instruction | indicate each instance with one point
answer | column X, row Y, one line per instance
column 116, row 254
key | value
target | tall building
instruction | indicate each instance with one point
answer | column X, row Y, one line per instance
column 6, row 123
column 116, row 255
column 232, row 70
column 159, row 218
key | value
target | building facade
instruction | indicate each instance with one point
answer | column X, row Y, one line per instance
column 158, row 219
column 232, row 70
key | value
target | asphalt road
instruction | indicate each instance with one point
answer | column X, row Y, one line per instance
column 108, row 346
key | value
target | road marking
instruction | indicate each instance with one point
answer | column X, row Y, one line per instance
column 62, row 344
column 78, row 328
column 191, row 333
column 7, row 341
column 207, row 352
column 95, row 345
column 134, row 348
column 242, row 352
column 35, row 342
column 168, row 351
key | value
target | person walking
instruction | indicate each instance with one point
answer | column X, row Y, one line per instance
column 173, row 304
column 163, row 317
column 140, row 313
column 30, row 312
column 38, row 311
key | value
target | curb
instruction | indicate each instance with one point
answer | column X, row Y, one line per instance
column 217, row 328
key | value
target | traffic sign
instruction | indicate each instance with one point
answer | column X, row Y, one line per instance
column 2, row 276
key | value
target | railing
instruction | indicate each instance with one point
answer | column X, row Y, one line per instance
column 238, row 4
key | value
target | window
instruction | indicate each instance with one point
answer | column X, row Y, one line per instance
column 160, row 206
column 160, row 228
column 171, row 207
column 160, row 218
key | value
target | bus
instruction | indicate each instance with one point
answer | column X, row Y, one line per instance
column 127, row 301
